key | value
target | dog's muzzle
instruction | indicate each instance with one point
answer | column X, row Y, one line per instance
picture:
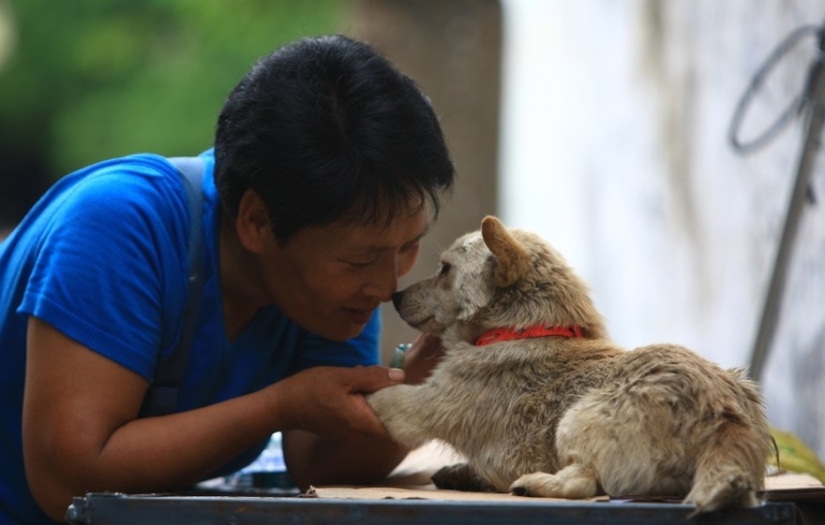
column 396, row 299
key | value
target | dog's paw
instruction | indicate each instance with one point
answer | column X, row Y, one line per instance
column 725, row 489
column 398, row 409
column 571, row 482
column 460, row 476
column 537, row 484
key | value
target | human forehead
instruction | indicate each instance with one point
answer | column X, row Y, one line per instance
column 403, row 229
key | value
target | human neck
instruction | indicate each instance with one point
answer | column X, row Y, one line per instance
column 241, row 290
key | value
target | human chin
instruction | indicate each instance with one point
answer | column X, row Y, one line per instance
column 354, row 321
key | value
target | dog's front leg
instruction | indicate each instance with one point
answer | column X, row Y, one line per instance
column 400, row 409
column 461, row 476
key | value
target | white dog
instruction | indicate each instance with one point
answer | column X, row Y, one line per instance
column 541, row 403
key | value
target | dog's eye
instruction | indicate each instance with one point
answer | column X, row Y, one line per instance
column 445, row 269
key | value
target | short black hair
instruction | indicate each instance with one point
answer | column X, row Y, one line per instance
column 325, row 129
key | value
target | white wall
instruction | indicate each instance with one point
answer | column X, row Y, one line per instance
column 614, row 147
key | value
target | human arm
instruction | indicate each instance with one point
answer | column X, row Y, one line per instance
column 80, row 431
column 344, row 460
column 343, row 455
column 357, row 458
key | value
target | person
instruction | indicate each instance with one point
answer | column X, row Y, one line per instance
column 326, row 172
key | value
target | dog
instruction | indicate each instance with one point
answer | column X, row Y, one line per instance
column 540, row 402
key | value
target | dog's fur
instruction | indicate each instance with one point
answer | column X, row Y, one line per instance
column 566, row 417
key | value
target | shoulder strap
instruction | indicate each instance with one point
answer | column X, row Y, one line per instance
column 162, row 396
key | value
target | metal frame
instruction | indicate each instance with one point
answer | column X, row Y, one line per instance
column 121, row 509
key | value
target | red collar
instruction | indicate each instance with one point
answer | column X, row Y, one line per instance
column 499, row 335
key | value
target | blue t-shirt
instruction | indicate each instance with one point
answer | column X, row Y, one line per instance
column 102, row 257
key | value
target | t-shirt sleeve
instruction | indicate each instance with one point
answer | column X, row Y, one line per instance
column 361, row 350
column 113, row 247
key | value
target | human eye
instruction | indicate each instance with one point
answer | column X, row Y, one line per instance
column 409, row 247
column 360, row 262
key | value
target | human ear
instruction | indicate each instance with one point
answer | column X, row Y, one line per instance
column 252, row 222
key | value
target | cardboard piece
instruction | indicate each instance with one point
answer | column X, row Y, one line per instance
column 411, row 480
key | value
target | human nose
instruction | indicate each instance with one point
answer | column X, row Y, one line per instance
column 384, row 281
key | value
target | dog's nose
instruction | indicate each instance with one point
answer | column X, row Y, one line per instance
column 396, row 299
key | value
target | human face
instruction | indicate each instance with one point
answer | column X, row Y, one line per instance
column 330, row 279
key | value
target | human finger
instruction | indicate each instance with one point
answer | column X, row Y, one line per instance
column 371, row 378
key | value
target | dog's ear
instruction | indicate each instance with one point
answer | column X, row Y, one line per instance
column 513, row 258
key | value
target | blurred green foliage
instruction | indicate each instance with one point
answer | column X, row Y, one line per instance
column 94, row 79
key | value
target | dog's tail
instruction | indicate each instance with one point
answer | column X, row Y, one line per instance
column 731, row 467
column 720, row 483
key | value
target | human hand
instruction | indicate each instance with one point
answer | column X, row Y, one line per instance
column 421, row 357
column 329, row 401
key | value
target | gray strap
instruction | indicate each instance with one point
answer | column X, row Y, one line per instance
column 162, row 396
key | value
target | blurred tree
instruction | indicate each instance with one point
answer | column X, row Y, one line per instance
column 6, row 32
column 93, row 79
